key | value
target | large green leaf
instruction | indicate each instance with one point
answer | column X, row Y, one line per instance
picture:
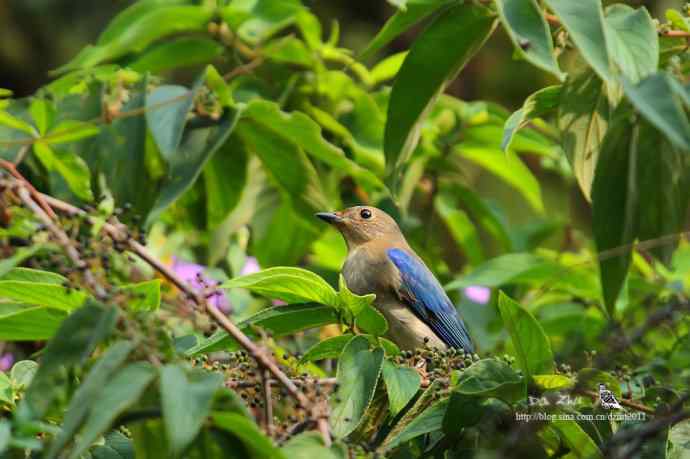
column 88, row 393
column 536, row 105
column 583, row 119
column 678, row 441
column 655, row 99
column 292, row 285
column 309, row 445
column 167, row 108
column 288, row 166
column 512, row 268
column 186, row 398
column 137, row 31
column 249, row 433
column 223, row 184
column 429, row 420
column 414, row 12
column 491, row 378
column 532, row 346
column 257, row 20
column 330, row 348
column 524, row 21
column 182, row 52
column 121, row 392
column 434, row 60
column 584, row 20
column 402, row 384
column 69, row 166
column 614, row 204
column 633, row 41
column 21, row 254
column 22, row 322
column 197, row 145
column 508, row 167
column 299, row 129
column 460, row 227
column 76, row 339
column 581, row 445
column 145, row 296
column 48, row 295
column 33, row 275
column 279, row 321
column 358, row 374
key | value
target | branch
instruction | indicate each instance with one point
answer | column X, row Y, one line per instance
column 118, row 232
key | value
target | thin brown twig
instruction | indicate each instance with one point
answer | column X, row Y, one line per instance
column 244, row 69
column 62, row 239
column 298, row 382
column 12, row 169
column 268, row 403
column 118, row 232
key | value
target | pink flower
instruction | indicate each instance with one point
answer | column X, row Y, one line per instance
column 251, row 266
column 6, row 361
column 478, row 294
column 194, row 275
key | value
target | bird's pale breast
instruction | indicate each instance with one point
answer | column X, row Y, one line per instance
column 366, row 272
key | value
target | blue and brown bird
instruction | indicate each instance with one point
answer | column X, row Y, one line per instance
column 380, row 261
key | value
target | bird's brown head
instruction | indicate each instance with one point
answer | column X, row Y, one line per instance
column 362, row 224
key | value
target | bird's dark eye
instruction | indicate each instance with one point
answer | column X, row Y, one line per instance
column 365, row 214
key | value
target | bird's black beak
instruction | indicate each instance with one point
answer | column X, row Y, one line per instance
column 329, row 217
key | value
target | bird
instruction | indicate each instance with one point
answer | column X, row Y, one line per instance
column 608, row 400
column 380, row 261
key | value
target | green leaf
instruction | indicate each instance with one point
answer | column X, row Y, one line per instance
column 42, row 294
column 33, row 275
column 429, row 420
column 76, row 339
column 402, row 384
column 247, row 431
column 633, row 41
column 400, row 22
column 142, row 29
column 279, row 321
column 288, row 50
column 69, row 166
column 435, row 59
column 186, row 398
column 13, row 122
column 655, row 99
column 491, row 378
column 179, row 53
column 463, row 411
column 187, row 161
column 614, row 204
column 536, row 105
column 678, row 20
column 532, row 346
column 553, row 382
column 508, row 167
column 358, row 374
column 583, row 118
column 524, row 21
column 6, row 392
column 371, row 321
column 309, row 445
column 71, row 131
column 330, row 348
column 287, row 165
column 42, row 113
column 167, row 108
column 460, row 227
column 512, row 268
column 298, row 128
column 354, row 303
column 581, row 445
column 224, row 187
column 88, row 393
column 255, row 21
column 292, row 285
column 21, row 322
column 117, row 446
column 387, row 68
column 584, row 21
column 22, row 373
column 678, row 441
column 146, row 296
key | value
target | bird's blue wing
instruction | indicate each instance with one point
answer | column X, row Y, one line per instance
column 429, row 301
